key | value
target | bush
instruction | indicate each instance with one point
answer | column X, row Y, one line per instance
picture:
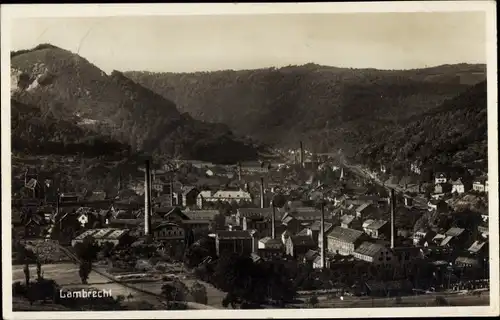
column 18, row 289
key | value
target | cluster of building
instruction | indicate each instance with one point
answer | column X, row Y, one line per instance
column 342, row 228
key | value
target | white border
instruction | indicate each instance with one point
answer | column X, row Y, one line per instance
column 9, row 12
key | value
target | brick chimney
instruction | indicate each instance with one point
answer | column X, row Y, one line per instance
column 262, row 192
column 147, row 198
column 393, row 212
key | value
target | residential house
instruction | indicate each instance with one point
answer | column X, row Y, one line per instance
column 480, row 185
column 269, row 248
column 438, row 205
column 442, row 188
column 189, row 196
column 310, row 256
column 201, row 214
column 378, row 229
column 314, row 230
column 408, row 200
column 232, row 195
column 366, row 210
column 255, row 167
column 172, row 214
column 343, row 241
column 203, row 197
column 228, row 242
column 84, row 215
column 453, row 238
column 458, row 186
column 348, row 221
column 292, row 225
column 255, row 213
column 467, row 262
column 164, row 231
column 422, row 236
column 479, row 248
column 440, row 178
column 374, row 253
column 297, row 246
column 69, row 197
column 196, row 225
column 305, row 214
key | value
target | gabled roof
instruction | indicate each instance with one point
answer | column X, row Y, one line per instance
column 367, row 223
column 446, row 240
column 476, row 246
column 457, row 182
column 316, row 226
column 377, row 224
column 467, row 261
column 186, row 189
column 311, row 255
column 302, row 241
column 454, row 232
column 347, row 218
column 201, row 214
column 270, row 241
column 205, row 193
column 238, row 234
column 345, row 234
column 369, row 249
column 362, row 207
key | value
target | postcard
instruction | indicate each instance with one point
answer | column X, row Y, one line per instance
column 302, row 160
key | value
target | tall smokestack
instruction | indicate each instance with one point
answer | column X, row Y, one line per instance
column 147, row 199
column 239, row 171
column 262, row 192
column 273, row 221
column 301, row 154
column 172, row 192
column 322, row 235
column 393, row 212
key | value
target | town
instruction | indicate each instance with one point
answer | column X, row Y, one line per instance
column 335, row 234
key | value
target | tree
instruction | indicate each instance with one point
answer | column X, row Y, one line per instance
column 199, row 293
column 86, row 252
column 175, row 291
column 27, row 274
column 38, row 270
column 313, row 301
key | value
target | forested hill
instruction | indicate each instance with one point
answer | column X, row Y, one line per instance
column 70, row 89
column 453, row 134
column 36, row 133
column 326, row 107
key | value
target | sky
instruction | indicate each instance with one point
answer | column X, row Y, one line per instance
column 206, row 43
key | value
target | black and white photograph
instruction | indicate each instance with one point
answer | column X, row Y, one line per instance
column 249, row 160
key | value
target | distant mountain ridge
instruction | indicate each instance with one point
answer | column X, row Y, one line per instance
column 69, row 88
column 326, row 107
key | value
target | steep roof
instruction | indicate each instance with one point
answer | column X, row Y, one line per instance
column 316, row 226
column 302, row 241
column 454, row 232
column 476, row 246
column 237, row 234
column 369, row 249
column 345, row 234
column 311, row 255
column 377, row 224
column 201, row 214
column 362, row 207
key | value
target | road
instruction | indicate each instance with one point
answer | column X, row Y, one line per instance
column 409, row 301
